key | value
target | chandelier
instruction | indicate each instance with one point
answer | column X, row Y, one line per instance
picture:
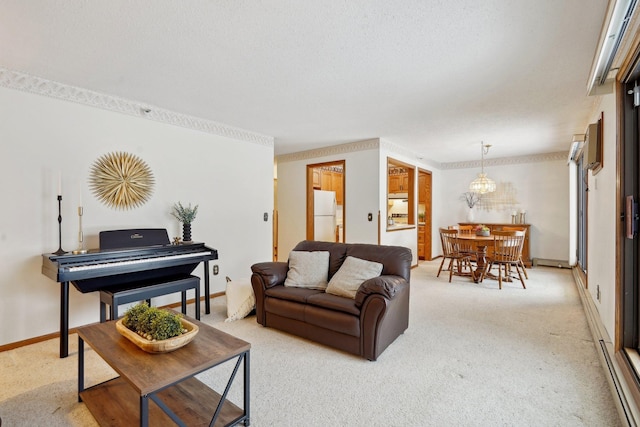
column 482, row 184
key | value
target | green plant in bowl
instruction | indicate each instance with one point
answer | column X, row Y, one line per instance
column 153, row 323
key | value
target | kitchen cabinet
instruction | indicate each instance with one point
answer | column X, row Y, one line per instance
column 526, row 254
column 421, row 241
column 332, row 181
column 317, row 180
column 336, row 185
column 399, row 183
column 422, row 189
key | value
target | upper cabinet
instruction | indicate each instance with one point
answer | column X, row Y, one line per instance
column 398, row 180
column 400, row 188
column 330, row 179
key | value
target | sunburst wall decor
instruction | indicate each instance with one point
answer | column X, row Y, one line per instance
column 121, row 180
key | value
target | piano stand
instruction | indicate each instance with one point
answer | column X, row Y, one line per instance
column 116, row 297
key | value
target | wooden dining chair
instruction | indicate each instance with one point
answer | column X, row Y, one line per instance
column 507, row 253
column 451, row 251
column 465, row 246
column 465, row 229
column 524, row 230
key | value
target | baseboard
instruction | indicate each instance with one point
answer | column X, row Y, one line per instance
column 629, row 413
column 550, row 263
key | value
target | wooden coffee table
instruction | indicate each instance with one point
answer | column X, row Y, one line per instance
column 167, row 379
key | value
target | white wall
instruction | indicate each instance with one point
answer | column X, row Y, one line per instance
column 41, row 137
column 541, row 190
column 601, row 219
column 365, row 193
column 361, row 197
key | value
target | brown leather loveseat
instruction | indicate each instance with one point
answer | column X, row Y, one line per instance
column 365, row 325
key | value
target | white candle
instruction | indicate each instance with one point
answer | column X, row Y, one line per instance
column 513, row 213
column 59, row 183
column 80, row 195
column 522, row 211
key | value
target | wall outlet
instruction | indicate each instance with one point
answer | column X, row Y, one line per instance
column 215, row 269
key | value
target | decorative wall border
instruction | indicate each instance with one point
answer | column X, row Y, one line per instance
column 21, row 81
column 503, row 161
column 350, row 147
column 376, row 143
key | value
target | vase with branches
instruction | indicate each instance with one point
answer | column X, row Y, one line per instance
column 186, row 215
column 471, row 199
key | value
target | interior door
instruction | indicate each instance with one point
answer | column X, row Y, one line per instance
column 329, row 176
column 425, row 222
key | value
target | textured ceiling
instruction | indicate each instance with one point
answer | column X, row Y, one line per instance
column 434, row 76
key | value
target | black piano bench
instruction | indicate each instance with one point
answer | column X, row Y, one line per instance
column 145, row 291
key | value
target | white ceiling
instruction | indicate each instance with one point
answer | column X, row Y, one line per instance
column 434, row 76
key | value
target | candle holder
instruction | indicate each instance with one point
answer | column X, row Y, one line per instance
column 60, row 251
column 81, row 249
column 514, row 219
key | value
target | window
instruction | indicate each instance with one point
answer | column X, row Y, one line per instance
column 581, row 212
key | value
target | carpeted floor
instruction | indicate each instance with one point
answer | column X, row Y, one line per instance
column 473, row 356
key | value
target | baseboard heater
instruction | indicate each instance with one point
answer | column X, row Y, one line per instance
column 550, row 263
column 626, row 408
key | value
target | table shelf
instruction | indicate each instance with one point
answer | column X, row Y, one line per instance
column 116, row 403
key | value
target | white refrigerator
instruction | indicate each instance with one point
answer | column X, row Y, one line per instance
column 324, row 215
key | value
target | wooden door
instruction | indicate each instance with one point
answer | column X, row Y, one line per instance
column 331, row 177
column 424, row 215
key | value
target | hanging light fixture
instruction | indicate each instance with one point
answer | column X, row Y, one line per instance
column 482, row 184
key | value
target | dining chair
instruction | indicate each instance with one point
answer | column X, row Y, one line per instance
column 465, row 229
column 451, row 251
column 507, row 253
column 465, row 246
column 524, row 230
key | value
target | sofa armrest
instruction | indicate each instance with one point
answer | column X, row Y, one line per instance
column 387, row 286
column 272, row 273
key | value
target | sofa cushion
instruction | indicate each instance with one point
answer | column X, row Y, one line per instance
column 291, row 294
column 332, row 320
column 350, row 276
column 337, row 252
column 284, row 308
column 334, row 302
column 395, row 259
column 308, row 270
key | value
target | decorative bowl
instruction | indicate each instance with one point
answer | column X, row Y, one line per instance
column 484, row 233
column 161, row 346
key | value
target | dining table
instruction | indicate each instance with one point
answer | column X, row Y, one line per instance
column 479, row 244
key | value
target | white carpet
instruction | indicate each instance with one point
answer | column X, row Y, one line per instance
column 473, row 356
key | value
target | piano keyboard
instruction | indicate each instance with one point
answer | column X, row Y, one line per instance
column 119, row 263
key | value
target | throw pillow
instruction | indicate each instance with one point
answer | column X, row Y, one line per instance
column 352, row 273
column 240, row 299
column 308, row 270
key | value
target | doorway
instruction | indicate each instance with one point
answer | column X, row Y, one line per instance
column 424, row 215
column 326, row 201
